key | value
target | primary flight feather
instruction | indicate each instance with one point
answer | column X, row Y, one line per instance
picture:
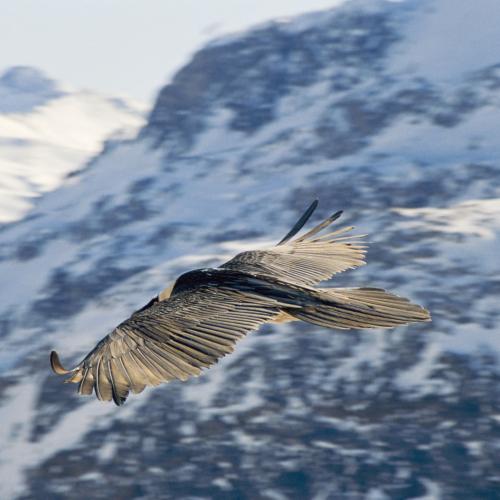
column 191, row 325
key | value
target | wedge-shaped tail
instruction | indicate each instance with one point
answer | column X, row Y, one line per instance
column 346, row 308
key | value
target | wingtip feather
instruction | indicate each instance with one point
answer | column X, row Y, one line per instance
column 300, row 223
column 56, row 365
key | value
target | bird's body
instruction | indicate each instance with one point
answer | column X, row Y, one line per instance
column 193, row 323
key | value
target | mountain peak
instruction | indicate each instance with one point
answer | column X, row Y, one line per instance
column 22, row 88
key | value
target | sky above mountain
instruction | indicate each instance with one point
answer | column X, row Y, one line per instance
column 125, row 47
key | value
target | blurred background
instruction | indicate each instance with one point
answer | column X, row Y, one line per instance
column 141, row 140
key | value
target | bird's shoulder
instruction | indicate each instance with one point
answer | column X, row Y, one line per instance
column 206, row 277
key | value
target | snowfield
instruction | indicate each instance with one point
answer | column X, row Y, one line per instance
column 42, row 143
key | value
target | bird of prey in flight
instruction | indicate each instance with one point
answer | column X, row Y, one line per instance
column 198, row 320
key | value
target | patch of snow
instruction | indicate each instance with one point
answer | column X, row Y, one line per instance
column 39, row 148
column 433, row 491
column 434, row 46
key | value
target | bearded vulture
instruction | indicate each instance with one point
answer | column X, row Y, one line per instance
column 199, row 319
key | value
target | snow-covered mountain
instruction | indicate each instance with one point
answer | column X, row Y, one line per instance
column 47, row 131
column 387, row 110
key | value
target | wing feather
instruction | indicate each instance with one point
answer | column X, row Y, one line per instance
column 172, row 339
column 306, row 260
column 300, row 223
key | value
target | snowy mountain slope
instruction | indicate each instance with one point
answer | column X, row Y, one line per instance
column 46, row 132
column 247, row 134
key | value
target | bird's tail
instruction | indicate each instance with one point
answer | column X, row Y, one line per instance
column 346, row 308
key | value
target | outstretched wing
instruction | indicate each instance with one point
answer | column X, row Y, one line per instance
column 172, row 339
column 305, row 260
